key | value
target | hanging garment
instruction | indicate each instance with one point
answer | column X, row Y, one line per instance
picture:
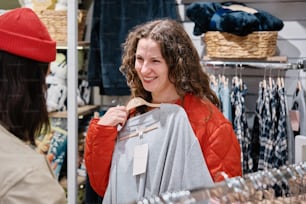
column 269, row 133
column 214, row 85
column 298, row 104
column 108, row 34
column 221, row 88
column 239, row 91
column 225, row 98
column 290, row 135
column 266, row 143
column 57, row 150
column 174, row 158
column 272, row 102
column 281, row 143
column 255, row 143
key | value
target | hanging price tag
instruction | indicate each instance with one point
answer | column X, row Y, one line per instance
column 294, row 119
column 140, row 159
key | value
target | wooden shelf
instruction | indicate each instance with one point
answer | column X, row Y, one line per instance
column 83, row 110
column 81, row 180
column 81, row 45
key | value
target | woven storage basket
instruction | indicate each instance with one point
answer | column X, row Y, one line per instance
column 259, row 44
column 56, row 22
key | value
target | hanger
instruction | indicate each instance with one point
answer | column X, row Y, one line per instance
column 138, row 101
column 139, row 132
column 134, row 103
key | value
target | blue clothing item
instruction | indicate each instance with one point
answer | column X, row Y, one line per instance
column 209, row 16
column 222, row 91
column 58, row 148
column 235, row 22
column 201, row 13
column 112, row 19
column 225, row 98
column 215, row 88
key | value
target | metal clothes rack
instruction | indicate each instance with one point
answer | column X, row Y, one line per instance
column 255, row 70
column 283, row 185
column 248, row 64
column 277, row 62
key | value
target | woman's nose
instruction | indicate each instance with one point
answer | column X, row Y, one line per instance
column 145, row 68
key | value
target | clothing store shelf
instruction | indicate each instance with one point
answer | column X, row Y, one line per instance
column 277, row 62
column 81, row 45
column 82, row 110
column 81, row 180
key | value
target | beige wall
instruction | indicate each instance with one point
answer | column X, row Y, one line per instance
column 9, row 4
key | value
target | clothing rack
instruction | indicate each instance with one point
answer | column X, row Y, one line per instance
column 283, row 185
column 269, row 63
column 237, row 64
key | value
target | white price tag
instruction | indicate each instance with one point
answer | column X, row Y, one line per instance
column 140, row 159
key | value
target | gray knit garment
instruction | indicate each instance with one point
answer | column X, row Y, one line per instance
column 175, row 160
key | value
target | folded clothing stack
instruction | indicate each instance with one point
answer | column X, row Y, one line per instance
column 231, row 17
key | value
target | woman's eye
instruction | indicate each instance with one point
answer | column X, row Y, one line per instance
column 139, row 59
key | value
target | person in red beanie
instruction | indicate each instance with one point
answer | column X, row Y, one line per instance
column 26, row 50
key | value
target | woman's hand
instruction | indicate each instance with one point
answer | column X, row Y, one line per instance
column 114, row 116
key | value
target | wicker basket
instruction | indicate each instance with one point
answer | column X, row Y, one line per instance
column 259, row 44
column 56, row 22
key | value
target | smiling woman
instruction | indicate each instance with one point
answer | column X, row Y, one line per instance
column 161, row 65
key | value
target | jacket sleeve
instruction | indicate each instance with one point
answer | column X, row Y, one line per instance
column 99, row 147
column 222, row 153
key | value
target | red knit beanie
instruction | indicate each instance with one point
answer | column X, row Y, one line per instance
column 22, row 33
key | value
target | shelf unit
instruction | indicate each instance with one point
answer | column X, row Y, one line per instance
column 277, row 62
column 81, row 111
column 82, row 45
column 73, row 49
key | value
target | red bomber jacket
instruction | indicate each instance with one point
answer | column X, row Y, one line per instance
column 215, row 133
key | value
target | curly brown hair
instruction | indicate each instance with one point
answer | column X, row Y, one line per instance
column 185, row 69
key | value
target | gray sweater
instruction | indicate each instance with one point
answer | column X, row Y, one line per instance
column 174, row 162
